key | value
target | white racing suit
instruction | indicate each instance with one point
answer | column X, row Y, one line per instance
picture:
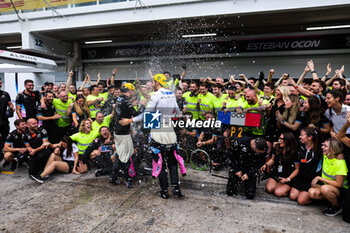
column 163, row 139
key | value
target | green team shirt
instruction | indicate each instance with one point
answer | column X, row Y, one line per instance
column 231, row 104
column 143, row 98
column 192, row 104
column 95, row 126
column 172, row 84
column 61, row 108
column 218, row 102
column 207, row 104
column 334, row 167
column 83, row 140
column 94, row 108
column 70, row 95
column 105, row 97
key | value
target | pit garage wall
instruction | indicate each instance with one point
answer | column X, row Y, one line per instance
column 215, row 67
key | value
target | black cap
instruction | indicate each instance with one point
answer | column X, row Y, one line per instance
column 124, row 89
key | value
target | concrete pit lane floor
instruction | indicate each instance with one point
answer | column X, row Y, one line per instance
column 83, row 203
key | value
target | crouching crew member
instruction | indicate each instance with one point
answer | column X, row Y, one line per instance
column 246, row 159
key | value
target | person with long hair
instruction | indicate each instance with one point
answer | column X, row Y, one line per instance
column 309, row 157
column 336, row 112
column 84, row 137
column 277, row 107
column 313, row 111
column 285, row 165
column 334, row 181
column 80, row 111
column 291, row 119
column 64, row 159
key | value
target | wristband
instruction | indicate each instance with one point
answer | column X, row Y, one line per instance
column 282, row 121
column 313, row 71
column 288, row 179
column 296, row 86
column 203, row 143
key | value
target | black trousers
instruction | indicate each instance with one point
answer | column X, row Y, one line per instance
column 233, row 183
column 62, row 131
column 54, row 134
column 168, row 157
column 104, row 162
column 120, row 169
column 4, row 131
column 37, row 162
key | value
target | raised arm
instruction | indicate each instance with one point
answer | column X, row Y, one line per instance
column 280, row 79
column 242, row 76
column 84, row 83
column 184, row 71
column 257, row 83
column 302, row 76
column 69, row 81
column 312, row 68
column 341, row 135
column 233, row 80
column 329, row 71
column 301, row 89
column 150, row 74
column 113, row 75
column 98, row 79
column 269, row 79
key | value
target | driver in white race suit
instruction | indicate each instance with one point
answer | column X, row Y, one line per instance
column 163, row 139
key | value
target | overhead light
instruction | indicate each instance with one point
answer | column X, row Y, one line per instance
column 199, row 35
column 98, row 42
column 14, row 47
column 327, row 27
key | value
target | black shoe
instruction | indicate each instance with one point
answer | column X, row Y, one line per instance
column 5, row 164
column 163, row 194
column 99, row 172
column 24, row 164
column 115, row 181
column 231, row 192
column 129, row 184
column 177, row 191
column 13, row 165
column 333, row 211
column 37, row 178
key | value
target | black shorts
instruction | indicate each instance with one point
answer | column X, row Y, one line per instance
column 301, row 184
column 70, row 165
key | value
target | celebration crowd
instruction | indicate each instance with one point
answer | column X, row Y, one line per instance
column 302, row 146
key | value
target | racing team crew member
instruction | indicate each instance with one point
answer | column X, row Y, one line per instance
column 123, row 140
column 207, row 140
column 47, row 114
column 100, row 150
column 6, row 111
column 37, row 143
column 14, row 148
column 26, row 101
column 246, row 158
column 163, row 141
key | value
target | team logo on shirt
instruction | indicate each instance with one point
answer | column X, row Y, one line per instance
column 152, row 120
